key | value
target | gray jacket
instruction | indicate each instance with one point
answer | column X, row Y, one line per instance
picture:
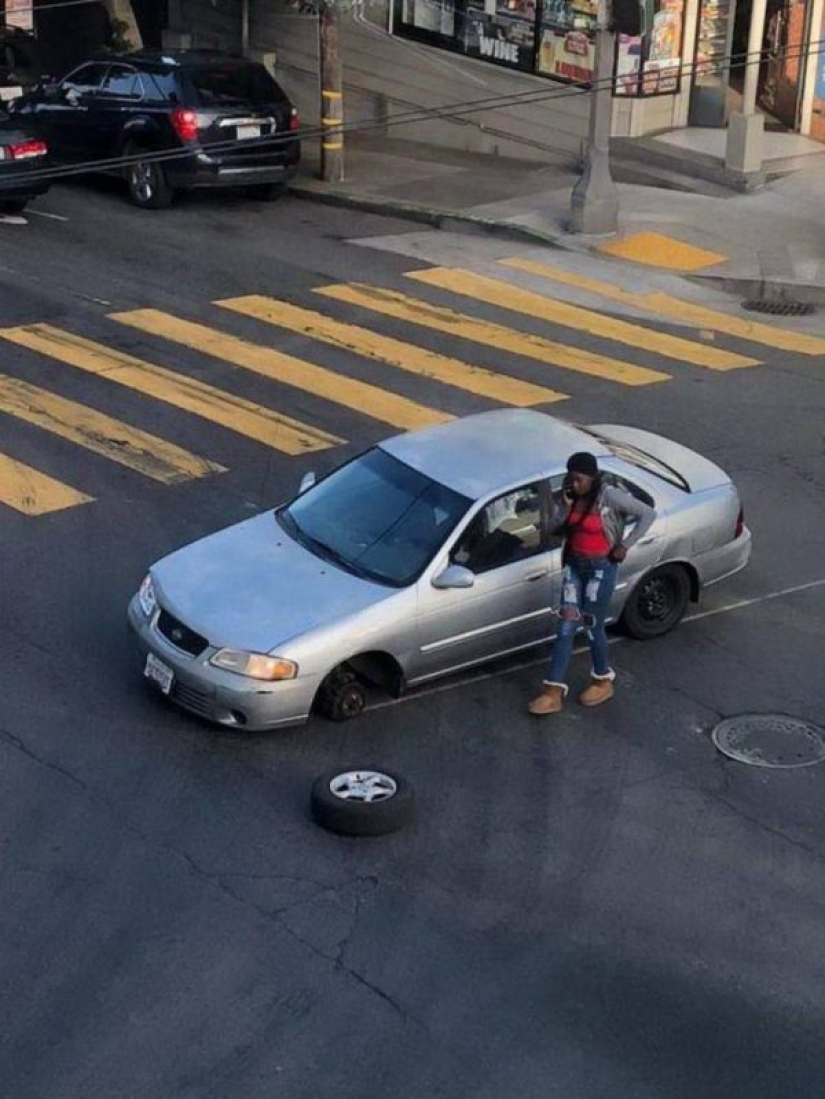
column 616, row 507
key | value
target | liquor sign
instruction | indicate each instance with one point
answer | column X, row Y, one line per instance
column 568, row 55
column 508, row 37
column 20, row 13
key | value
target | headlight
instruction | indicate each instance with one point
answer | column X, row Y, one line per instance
column 146, row 597
column 254, row 665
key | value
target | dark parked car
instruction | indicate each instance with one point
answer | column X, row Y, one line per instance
column 22, row 156
column 170, row 121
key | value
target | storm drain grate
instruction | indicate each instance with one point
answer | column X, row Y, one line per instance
column 779, row 308
column 770, row 740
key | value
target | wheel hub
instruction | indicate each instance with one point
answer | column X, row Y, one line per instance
column 363, row 786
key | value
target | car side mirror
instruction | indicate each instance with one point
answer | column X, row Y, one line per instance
column 71, row 96
column 454, row 576
column 307, row 481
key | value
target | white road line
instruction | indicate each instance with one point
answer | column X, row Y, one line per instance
column 454, row 684
column 43, row 214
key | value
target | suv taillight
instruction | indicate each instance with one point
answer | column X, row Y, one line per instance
column 294, row 121
column 185, row 123
column 25, row 150
column 740, row 523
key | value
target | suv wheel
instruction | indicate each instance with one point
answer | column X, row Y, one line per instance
column 146, row 179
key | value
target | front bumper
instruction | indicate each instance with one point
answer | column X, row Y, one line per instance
column 220, row 696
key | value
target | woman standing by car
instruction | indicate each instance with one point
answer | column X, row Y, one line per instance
column 592, row 516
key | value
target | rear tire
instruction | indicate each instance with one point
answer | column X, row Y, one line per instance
column 149, row 189
column 657, row 603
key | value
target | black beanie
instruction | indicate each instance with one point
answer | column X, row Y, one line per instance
column 583, row 462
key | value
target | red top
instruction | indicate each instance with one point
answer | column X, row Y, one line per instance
column 586, row 537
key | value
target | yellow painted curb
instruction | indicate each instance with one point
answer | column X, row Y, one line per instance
column 657, row 250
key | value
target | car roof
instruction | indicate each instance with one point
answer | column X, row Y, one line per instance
column 475, row 455
column 186, row 58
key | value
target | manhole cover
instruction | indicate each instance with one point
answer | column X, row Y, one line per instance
column 770, row 740
column 779, row 308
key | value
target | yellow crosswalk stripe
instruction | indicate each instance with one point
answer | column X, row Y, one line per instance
column 753, row 331
column 391, row 303
column 367, row 399
column 216, row 405
column 405, row 356
column 507, row 296
column 102, row 434
column 34, row 493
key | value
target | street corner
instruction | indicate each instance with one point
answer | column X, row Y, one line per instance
column 659, row 250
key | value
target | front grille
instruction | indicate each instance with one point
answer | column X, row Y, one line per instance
column 179, row 635
column 191, row 699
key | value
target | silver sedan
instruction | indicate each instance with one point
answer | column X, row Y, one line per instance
column 427, row 554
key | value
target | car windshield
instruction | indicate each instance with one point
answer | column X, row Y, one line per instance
column 218, row 85
column 376, row 517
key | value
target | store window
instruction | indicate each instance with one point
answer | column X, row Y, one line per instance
column 653, row 65
column 503, row 31
column 567, row 42
column 433, row 16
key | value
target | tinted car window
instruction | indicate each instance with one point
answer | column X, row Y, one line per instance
column 377, row 517
column 122, row 82
column 222, row 85
column 86, row 79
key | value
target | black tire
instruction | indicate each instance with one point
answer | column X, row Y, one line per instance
column 13, row 205
column 362, row 801
column 341, row 696
column 657, row 603
column 266, row 192
column 146, row 180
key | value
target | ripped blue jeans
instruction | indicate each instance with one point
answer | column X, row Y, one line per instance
column 587, row 587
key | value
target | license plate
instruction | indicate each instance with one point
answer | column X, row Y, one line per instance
column 159, row 673
column 248, row 131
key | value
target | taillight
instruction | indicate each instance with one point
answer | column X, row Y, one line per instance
column 185, row 123
column 26, row 149
column 294, row 121
column 740, row 523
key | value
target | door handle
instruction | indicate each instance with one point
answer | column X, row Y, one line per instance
column 537, row 575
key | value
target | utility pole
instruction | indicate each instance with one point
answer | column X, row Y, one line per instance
column 743, row 152
column 332, row 103
column 595, row 199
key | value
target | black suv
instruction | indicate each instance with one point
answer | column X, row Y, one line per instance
column 168, row 121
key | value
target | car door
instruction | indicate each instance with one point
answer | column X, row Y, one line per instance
column 515, row 564
column 65, row 115
column 119, row 96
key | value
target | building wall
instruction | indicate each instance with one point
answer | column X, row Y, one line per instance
column 209, row 24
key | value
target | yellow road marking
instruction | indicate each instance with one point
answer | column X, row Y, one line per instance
column 392, row 304
column 702, row 317
column 217, row 405
column 34, row 493
column 657, row 250
column 507, row 296
column 364, row 398
column 102, row 434
column 405, row 356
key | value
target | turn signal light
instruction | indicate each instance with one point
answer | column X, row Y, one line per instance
column 294, row 121
column 185, row 123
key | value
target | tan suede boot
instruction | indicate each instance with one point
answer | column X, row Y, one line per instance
column 551, row 699
column 599, row 691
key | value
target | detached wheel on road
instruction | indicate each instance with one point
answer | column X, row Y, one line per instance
column 657, row 603
column 364, row 801
column 146, row 179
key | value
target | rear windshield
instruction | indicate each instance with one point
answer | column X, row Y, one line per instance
column 222, row 85
column 642, row 460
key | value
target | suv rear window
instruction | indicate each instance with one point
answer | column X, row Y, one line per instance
column 220, row 85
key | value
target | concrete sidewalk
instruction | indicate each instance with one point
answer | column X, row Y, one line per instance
column 762, row 242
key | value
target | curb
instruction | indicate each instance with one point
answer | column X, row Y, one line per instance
column 447, row 220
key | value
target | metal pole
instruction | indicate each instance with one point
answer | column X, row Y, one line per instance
column 595, row 199
column 756, row 36
column 743, row 149
column 244, row 27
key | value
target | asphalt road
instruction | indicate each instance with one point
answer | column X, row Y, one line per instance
column 598, row 906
